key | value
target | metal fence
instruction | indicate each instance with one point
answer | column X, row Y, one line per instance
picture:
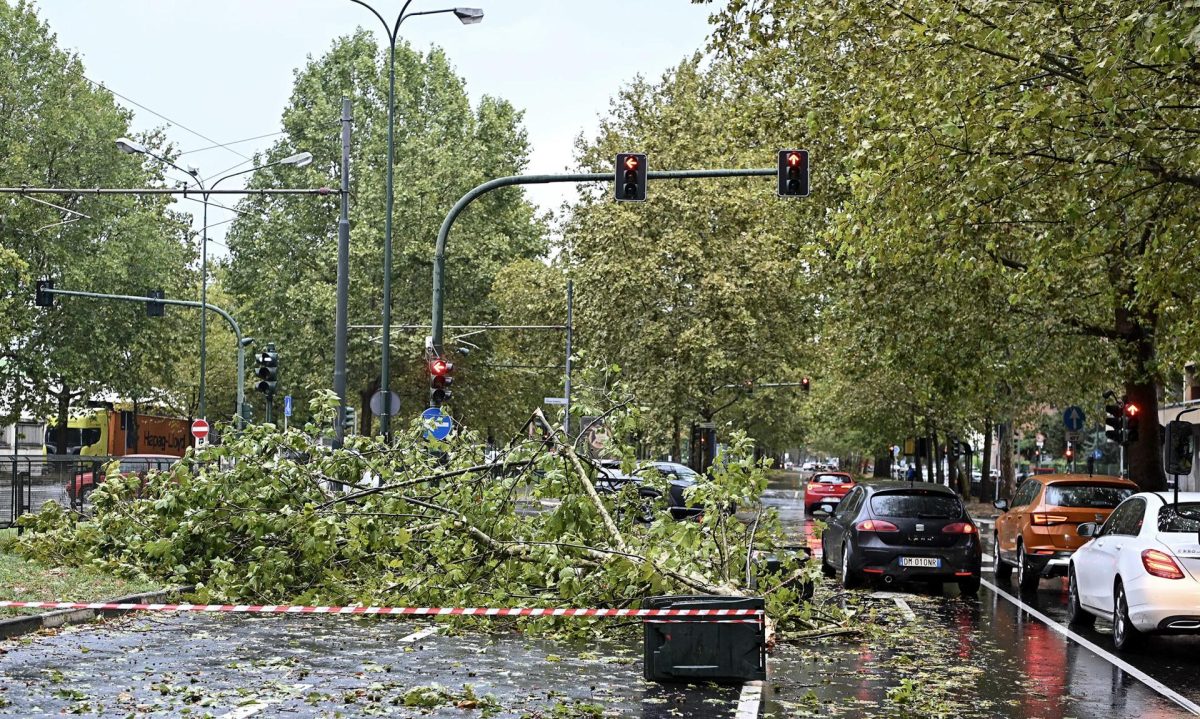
column 29, row 481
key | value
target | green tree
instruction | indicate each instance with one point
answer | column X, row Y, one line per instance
column 1051, row 145
column 282, row 265
column 58, row 130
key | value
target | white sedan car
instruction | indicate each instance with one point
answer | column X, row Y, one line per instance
column 1141, row 569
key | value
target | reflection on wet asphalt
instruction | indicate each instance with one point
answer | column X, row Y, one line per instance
column 166, row 665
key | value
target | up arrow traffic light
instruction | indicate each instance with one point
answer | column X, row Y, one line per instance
column 793, row 173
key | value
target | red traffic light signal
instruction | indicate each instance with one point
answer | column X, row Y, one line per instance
column 793, row 173
column 805, row 384
column 630, row 177
column 1131, row 410
column 439, row 367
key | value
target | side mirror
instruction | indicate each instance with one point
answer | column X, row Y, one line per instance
column 827, row 508
column 1001, row 504
column 1087, row 529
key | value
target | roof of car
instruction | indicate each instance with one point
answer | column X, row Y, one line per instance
column 150, row 456
column 895, row 484
column 1089, row 478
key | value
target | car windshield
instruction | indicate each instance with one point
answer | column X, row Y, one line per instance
column 831, row 479
column 1185, row 519
column 1092, row 496
column 915, row 504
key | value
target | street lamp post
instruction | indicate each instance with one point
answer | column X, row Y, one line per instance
column 468, row 16
column 131, row 147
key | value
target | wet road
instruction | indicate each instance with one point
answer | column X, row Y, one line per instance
column 997, row 657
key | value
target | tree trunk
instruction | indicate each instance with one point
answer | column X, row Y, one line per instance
column 1008, row 477
column 986, row 490
column 677, row 439
column 64, row 409
column 364, row 410
column 939, row 472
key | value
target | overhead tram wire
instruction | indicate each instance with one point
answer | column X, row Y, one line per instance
column 181, row 126
column 233, row 142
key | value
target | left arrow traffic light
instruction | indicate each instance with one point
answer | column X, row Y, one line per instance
column 440, row 380
column 630, row 179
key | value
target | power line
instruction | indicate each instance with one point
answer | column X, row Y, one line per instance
column 181, row 126
column 234, row 142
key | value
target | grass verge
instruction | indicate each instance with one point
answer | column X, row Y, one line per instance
column 25, row 581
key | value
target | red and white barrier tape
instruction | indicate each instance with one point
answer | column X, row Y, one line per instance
column 739, row 615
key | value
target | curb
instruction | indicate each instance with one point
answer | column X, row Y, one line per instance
column 18, row 626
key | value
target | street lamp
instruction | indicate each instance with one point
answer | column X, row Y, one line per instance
column 468, row 16
column 130, row 147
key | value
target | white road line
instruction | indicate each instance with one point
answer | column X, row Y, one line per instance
column 1116, row 661
column 908, row 612
column 416, row 636
column 749, row 701
column 249, row 710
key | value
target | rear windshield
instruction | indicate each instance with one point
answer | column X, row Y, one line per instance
column 1091, row 496
column 830, row 478
column 1185, row 519
column 915, row 504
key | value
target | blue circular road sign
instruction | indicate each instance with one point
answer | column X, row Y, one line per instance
column 437, row 423
column 1073, row 419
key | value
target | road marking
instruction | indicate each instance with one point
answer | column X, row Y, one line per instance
column 908, row 612
column 417, row 636
column 749, row 701
column 1116, row 661
column 249, row 710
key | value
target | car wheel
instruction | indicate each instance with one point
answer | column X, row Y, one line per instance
column 647, row 503
column 1027, row 579
column 969, row 586
column 85, row 497
column 826, row 568
column 1125, row 636
column 1077, row 616
column 850, row 579
column 1000, row 569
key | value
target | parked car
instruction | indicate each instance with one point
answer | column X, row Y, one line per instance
column 1141, row 569
column 898, row 531
column 1036, row 534
column 610, row 479
column 84, row 483
column 826, row 488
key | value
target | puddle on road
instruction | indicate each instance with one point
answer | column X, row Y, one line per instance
column 210, row 665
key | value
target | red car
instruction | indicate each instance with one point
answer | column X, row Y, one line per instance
column 826, row 488
column 84, row 482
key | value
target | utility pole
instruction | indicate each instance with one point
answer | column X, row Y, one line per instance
column 343, row 285
column 567, row 383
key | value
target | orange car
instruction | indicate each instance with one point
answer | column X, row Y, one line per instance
column 1036, row 534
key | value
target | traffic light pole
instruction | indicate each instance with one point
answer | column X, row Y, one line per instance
column 341, row 321
column 237, row 331
column 439, row 259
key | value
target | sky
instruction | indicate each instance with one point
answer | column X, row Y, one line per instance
column 223, row 69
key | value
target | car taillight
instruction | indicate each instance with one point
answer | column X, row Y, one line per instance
column 960, row 528
column 876, row 525
column 1160, row 564
column 1045, row 520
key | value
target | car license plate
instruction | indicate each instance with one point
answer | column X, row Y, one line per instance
column 933, row 562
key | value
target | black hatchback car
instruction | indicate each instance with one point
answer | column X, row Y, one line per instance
column 900, row 531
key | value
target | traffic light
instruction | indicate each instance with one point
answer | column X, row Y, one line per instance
column 1133, row 417
column 349, row 421
column 1114, row 422
column 1070, row 453
column 805, row 384
column 267, row 371
column 1177, row 447
column 41, row 297
column 630, row 177
column 793, row 173
column 155, row 309
column 440, row 380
